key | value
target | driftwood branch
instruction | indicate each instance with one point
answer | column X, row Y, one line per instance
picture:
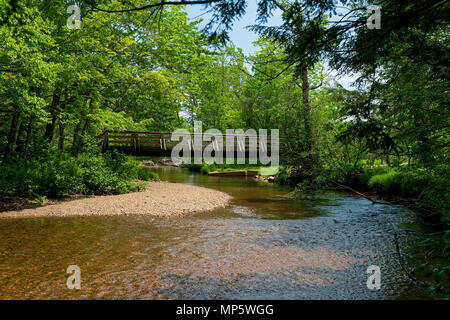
column 409, row 274
column 360, row 194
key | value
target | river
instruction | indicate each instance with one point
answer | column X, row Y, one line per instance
column 265, row 245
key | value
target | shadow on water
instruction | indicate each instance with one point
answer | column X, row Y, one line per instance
column 263, row 245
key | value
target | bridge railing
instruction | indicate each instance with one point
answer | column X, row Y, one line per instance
column 161, row 143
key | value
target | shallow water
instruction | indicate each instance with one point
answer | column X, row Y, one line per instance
column 263, row 246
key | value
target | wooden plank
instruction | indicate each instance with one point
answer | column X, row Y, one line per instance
column 150, row 145
column 148, row 139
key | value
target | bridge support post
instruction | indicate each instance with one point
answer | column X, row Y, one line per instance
column 162, row 141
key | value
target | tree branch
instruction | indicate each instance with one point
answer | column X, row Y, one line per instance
column 159, row 4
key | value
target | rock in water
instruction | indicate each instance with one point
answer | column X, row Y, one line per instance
column 148, row 163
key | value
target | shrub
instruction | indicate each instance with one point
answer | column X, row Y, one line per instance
column 437, row 192
column 194, row 167
column 57, row 174
column 414, row 182
column 282, row 175
column 146, row 174
column 205, row 169
column 99, row 180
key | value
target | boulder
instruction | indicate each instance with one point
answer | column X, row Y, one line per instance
column 166, row 162
column 148, row 163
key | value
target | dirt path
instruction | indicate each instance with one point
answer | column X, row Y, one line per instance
column 162, row 199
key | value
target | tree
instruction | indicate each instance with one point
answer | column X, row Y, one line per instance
column 119, row 71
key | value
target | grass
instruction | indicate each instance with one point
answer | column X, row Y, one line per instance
column 386, row 183
column 206, row 168
column 427, row 183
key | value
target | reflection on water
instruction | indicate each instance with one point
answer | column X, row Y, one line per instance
column 264, row 245
column 251, row 197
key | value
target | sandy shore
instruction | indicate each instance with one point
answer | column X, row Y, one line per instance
column 163, row 199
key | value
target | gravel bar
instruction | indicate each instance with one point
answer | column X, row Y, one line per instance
column 162, row 199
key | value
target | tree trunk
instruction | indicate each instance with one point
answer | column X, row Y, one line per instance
column 81, row 140
column 305, row 169
column 79, row 144
column 61, row 137
column 28, row 136
column 76, row 136
column 306, row 88
column 249, row 115
column 50, row 127
column 19, row 136
column 12, row 134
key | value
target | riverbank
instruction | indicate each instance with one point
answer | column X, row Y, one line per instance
column 163, row 199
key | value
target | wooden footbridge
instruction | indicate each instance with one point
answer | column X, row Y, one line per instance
column 160, row 143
